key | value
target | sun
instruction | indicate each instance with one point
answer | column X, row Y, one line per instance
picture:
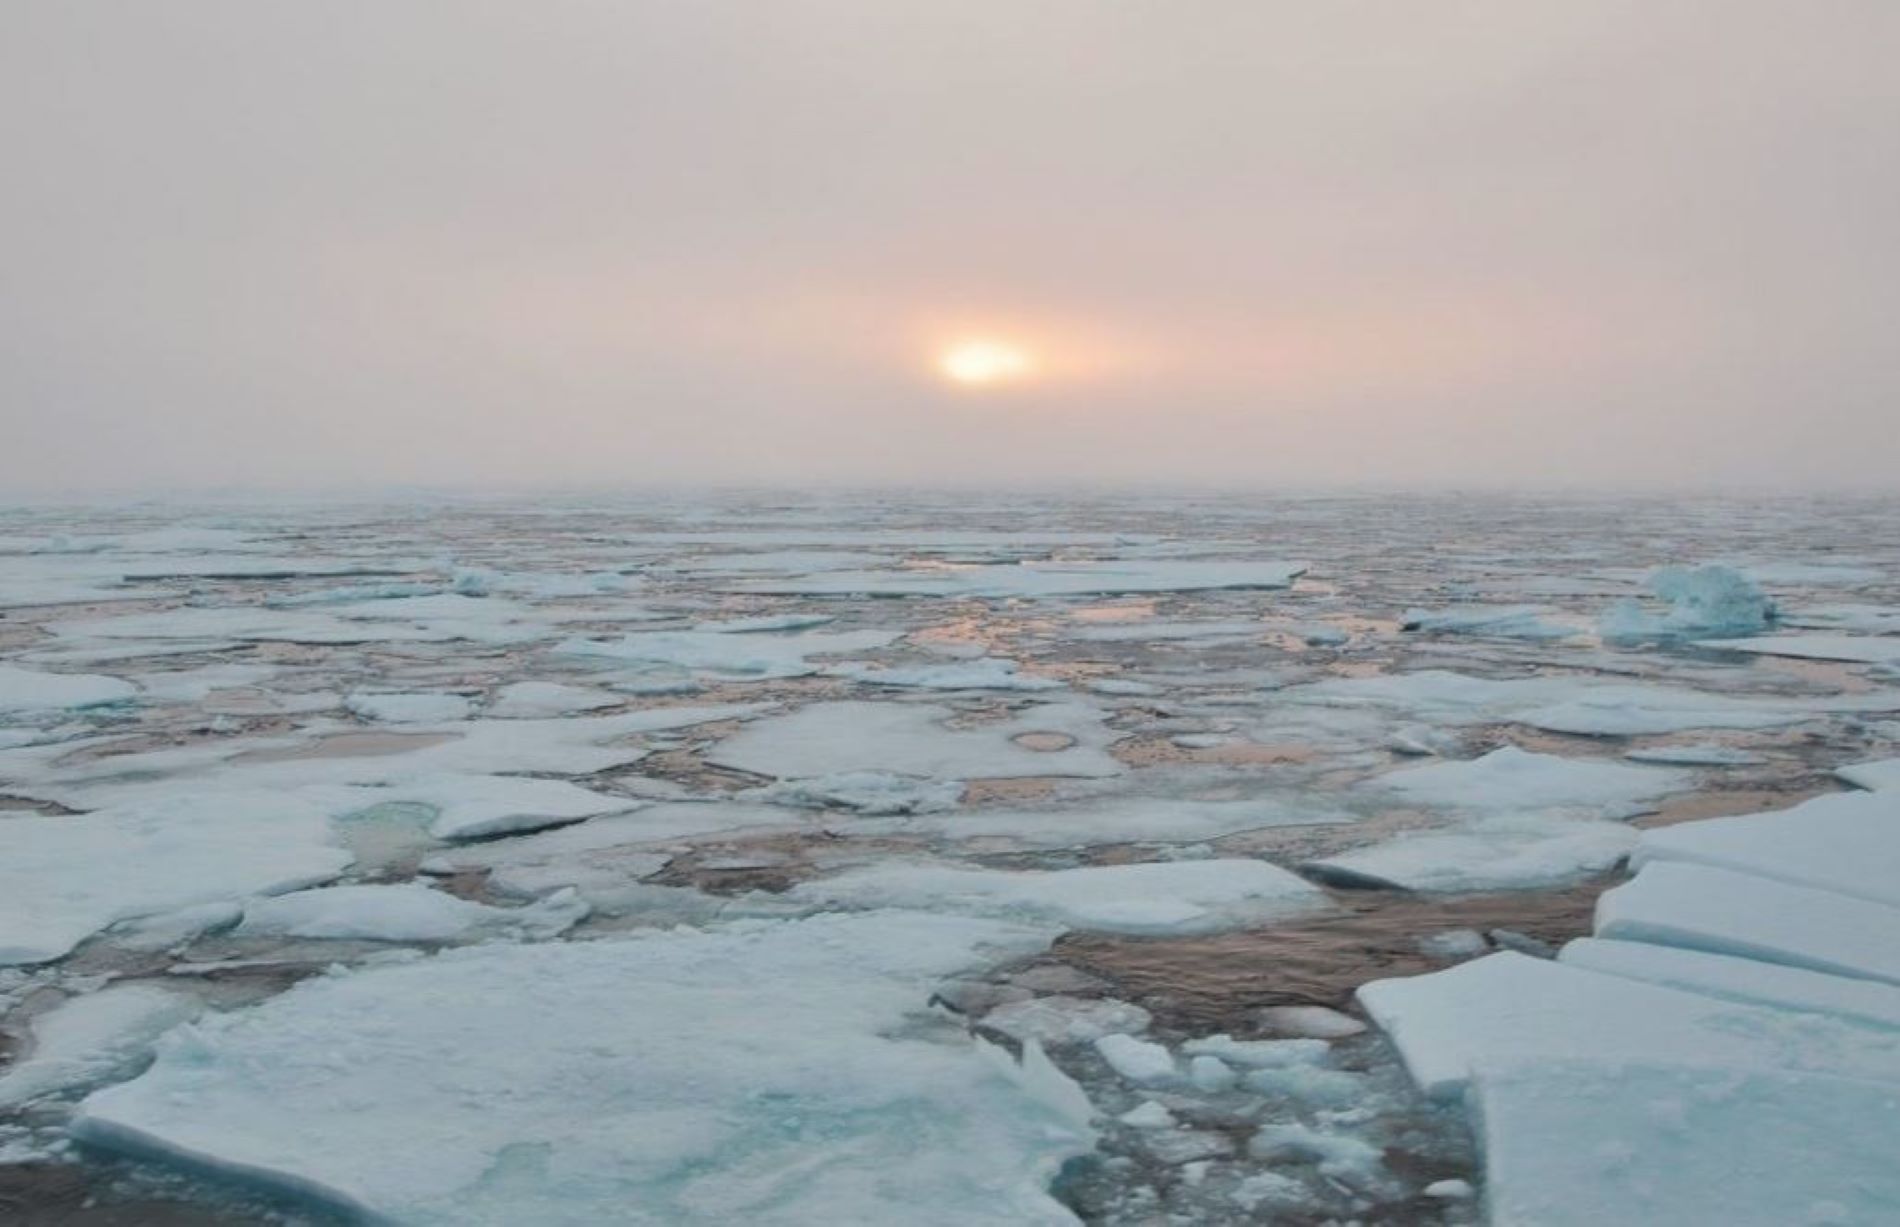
column 983, row 362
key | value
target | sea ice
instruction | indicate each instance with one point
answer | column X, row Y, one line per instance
column 1858, row 649
column 1739, row 979
column 1848, row 843
column 88, row 1039
column 408, row 912
column 1114, row 820
column 825, row 739
column 1561, row 704
column 1509, row 1010
column 1875, row 776
column 982, row 673
column 1139, row 1061
column 408, row 708
column 1696, row 756
column 534, row 700
column 1704, row 601
column 866, row 792
column 1168, row 897
column 1504, row 852
column 754, row 657
column 480, row 806
column 1115, row 577
column 1510, row 779
column 65, row 878
column 1701, row 908
column 673, row 1077
column 30, row 690
column 1498, row 621
column 1582, row 1143
column 1056, row 1020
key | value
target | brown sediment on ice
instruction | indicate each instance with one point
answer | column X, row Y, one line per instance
column 1216, row 982
column 1023, row 790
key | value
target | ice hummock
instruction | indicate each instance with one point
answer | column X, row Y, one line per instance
column 760, row 1072
column 1704, row 602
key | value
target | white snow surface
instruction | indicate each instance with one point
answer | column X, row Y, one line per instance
column 408, row 912
column 86, row 1040
column 825, row 739
column 1582, row 1143
column 1846, row 843
column 30, row 690
column 1512, row 780
column 667, row 1078
column 1702, row 908
column 1168, row 897
column 64, row 878
column 1507, row 852
column 1734, row 978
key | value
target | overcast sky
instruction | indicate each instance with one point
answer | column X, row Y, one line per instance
column 368, row 242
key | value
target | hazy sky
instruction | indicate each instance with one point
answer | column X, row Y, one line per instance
column 258, row 243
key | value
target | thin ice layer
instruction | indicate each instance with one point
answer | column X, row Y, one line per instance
column 669, row 1078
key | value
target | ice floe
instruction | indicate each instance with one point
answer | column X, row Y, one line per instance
column 30, row 690
column 1504, row 852
column 757, row 657
column 983, row 673
column 1157, row 898
column 1848, row 843
column 1581, row 1143
column 826, row 739
column 408, row 708
column 1702, row 908
column 1856, row 649
column 1500, row 621
column 408, row 912
column 65, row 878
column 1735, row 978
column 90, row 1039
column 1510, row 779
column 666, row 1078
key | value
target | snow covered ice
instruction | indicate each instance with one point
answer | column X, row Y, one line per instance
column 866, row 859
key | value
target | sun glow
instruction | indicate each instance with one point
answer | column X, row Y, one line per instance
column 981, row 363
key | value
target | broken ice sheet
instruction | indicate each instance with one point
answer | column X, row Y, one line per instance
column 740, row 1095
column 57, row 889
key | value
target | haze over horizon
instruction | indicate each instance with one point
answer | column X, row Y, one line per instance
column 846, row 242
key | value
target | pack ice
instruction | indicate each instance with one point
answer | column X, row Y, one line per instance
column 666, row 1078
column 1737, row 1014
